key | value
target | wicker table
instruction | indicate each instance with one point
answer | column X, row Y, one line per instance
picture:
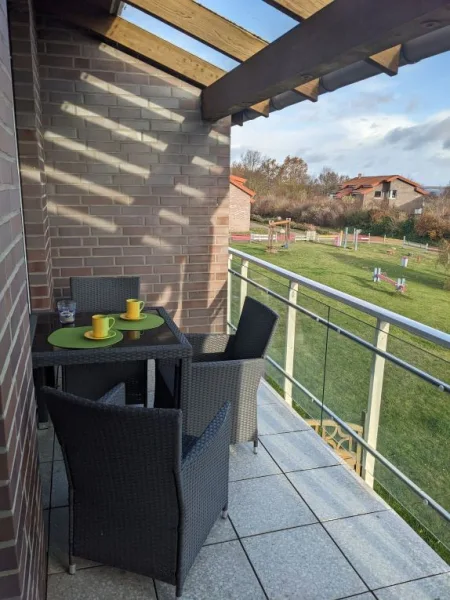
column 163, row 343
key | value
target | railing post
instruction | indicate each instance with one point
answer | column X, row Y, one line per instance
column 244, row 285
column 229, row 292
column 374, row 402
column 289, row 349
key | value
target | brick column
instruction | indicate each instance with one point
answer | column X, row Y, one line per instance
column 26, row 82
column 22, row 541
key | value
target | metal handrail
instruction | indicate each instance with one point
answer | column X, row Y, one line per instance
column 380, row 314
column 424, row 331
column 441, row 385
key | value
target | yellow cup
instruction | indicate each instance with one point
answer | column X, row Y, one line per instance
column 134, row 308
column 101, row 325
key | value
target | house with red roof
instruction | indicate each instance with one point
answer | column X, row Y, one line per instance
column 393, row 191
column 241, row 199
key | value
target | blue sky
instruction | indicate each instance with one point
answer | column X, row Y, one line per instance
column 383, row 125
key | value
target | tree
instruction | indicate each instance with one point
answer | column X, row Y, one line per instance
column 328, row 181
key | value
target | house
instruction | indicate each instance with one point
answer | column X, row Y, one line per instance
column 241, row 198
column 394, row 191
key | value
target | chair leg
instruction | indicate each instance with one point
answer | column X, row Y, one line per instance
column 224, row 513
column 72, row 567
column 255, row 445
column 179, row 590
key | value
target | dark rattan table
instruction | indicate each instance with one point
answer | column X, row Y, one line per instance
column 165, row 342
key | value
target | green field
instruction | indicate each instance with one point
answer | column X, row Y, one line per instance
column 415, row 416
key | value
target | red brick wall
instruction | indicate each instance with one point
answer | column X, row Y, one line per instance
column 137, row 183
column 22, row 568
column 239, row 210
column 31, row 152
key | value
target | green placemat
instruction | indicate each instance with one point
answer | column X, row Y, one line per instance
column 73, row 337
column 150, row 322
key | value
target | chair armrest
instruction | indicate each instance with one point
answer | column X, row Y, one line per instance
column 208, row 343
column 214, row 383
column 218, row 429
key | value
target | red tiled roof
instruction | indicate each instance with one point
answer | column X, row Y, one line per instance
column 370, row 182
column 239, row 183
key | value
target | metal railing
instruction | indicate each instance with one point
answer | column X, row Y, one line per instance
column 241, row 267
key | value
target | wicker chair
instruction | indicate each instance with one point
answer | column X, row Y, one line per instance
column 107, row 294
column 141, row 496
column 230, row 367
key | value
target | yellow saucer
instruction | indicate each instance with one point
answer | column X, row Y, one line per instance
column 90, row 336
column 125, row 318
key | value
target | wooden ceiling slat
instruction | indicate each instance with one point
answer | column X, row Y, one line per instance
column 299, row 9
column 388, row 60
column 183, row 64
column 204, row 25
column 319, row 46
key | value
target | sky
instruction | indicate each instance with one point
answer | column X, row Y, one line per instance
column 380, row 126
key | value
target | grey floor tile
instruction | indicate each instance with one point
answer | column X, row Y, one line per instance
column 58, row 550
column 245, row 464
column 60, row 494
column 384, row 549
column 266, row 504
column 45, row 470
column 222, row 531
column 430, row 588
column 302, row 563
column 100, row 583
column 297, row 451
column 276, row 418
column 220, row 572
column 336, row 492
column 366, row 596
column 266, row 395
column 45, row 443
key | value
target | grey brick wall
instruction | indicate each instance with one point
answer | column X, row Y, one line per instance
column 137, row 184
column 239, row 210
column 22, row 558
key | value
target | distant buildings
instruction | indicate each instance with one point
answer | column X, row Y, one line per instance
column 393, row 191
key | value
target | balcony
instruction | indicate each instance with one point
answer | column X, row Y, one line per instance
column 301, row 524
column 330, row 507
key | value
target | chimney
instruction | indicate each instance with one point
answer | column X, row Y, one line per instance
column 360, row 174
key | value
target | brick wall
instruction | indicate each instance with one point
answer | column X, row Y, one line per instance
column 137, row 183
column 31, row 153
column 239, row 210
column 21, row 524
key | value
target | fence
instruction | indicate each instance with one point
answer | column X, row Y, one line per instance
column 330, row 358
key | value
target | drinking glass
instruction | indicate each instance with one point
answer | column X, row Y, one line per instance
column 66, row 310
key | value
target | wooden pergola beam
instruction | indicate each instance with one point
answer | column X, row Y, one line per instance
column 210, row 28
column 159, row 52
column 319, row 46
column 299, row 9
column 204, row 25
column 388, row 61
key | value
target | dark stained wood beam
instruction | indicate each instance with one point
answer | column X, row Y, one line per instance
column 342, row 33
column 387, row 61
column 299, row 9
column 130, row 37
column 204, row 25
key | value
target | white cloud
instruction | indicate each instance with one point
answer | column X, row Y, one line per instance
column 354, row 133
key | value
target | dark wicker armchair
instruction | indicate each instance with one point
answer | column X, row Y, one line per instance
column 106, row 295
column 141, row 496
column 229, row 367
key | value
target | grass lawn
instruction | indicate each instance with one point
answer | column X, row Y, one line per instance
column 415, row 416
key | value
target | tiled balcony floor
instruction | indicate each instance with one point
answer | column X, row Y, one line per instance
column 301, row 526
